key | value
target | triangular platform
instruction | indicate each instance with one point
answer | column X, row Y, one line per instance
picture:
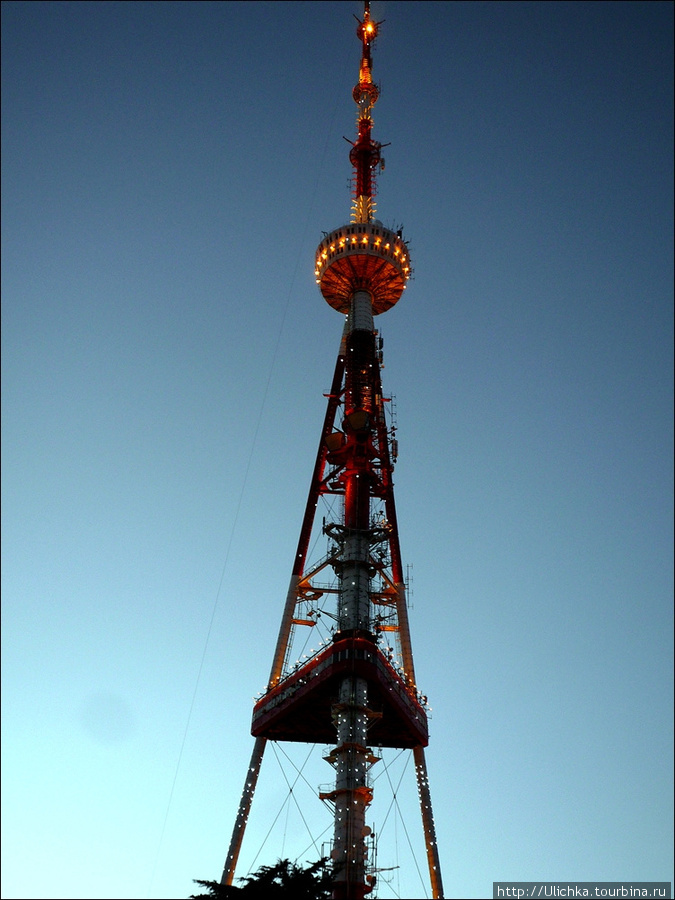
column 300, row 706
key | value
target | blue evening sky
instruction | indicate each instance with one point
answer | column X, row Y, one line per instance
column 168, row 170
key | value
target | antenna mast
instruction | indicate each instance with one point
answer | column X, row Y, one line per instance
column 353, row 694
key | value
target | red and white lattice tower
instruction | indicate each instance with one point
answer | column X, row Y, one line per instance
column 358, row 692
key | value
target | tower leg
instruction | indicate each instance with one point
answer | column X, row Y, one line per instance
column 428, row 823
column 244, row 809
column 284, row 631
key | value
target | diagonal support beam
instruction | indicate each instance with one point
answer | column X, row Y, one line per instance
column 244, row 810
column 307, row 522
column 433, row 859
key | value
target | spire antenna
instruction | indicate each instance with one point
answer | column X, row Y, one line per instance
column 365, row 154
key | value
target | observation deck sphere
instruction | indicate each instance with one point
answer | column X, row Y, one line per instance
column 362, row 256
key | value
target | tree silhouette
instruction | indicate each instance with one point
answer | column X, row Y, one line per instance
column 284, row 881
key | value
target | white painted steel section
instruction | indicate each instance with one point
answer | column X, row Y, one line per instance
column 352, row 795
column 361, row 313
column 351, row 790
column 355, row 584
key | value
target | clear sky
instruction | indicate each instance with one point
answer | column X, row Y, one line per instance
column 168, row 169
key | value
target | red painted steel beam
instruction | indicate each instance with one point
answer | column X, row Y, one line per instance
column 316, row 487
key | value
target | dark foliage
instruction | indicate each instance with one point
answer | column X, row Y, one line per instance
column 284, row 881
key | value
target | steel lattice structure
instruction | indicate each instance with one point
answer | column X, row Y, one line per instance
column 355, row 694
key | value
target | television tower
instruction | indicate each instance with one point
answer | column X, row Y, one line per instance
column 359, row 692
